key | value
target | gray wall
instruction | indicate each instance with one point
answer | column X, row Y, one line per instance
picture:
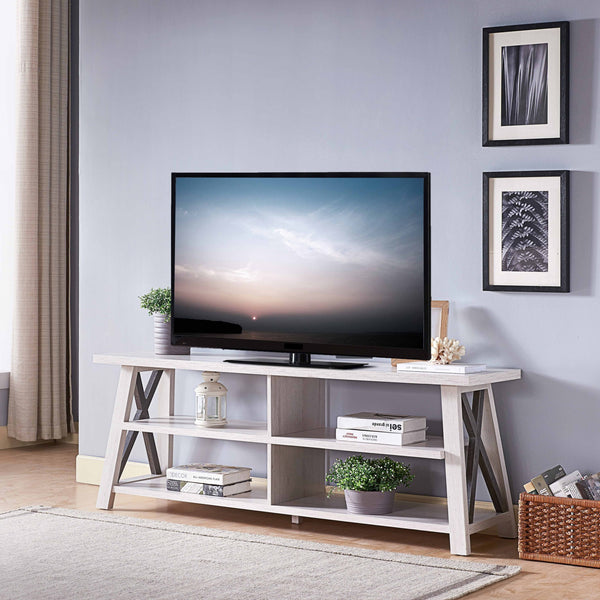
column 334, row 85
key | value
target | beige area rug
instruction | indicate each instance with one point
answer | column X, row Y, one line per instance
column 68, row 554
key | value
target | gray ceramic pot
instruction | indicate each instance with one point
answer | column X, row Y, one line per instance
column 162, row 338
column 369, row 503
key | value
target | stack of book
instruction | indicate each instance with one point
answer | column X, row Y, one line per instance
column 381, row 428
column 209, row 479
column 555, row 482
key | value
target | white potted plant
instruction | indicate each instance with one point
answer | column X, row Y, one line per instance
column 158, row 304
column 369, row 484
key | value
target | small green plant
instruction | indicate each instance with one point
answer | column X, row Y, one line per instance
column 368, row 474
column 157, row 301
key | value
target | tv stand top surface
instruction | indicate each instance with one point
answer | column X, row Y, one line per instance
column 372, row 371
column 305, row 363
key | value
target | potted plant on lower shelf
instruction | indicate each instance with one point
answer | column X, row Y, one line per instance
column 158, row 304
column 369, row 484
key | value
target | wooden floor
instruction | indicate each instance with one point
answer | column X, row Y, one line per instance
column 45, row 475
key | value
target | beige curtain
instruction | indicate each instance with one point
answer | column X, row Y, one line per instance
column 39, row 395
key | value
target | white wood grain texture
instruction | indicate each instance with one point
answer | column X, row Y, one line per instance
column 324, row 437
column 165, row 404
column 297, row 400
column 490, row 436
column 421, row 516
column 116, row 437
column 456, row 483
column 295, row 473
column 156, row 487
column 269, row 474
column 239, row 431
column 375, row 371
column 492, row 520
column 297, row 404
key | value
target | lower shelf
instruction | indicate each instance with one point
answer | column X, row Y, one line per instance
column 408, row 514
column 156, row 487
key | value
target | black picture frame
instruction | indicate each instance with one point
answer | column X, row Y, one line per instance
column 526, row 231
column 517, row 118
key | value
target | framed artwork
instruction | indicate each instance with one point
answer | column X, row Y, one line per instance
column 526, row 231
column 526, row 84
column 439, row 324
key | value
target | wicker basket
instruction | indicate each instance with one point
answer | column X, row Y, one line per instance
column 560, row 530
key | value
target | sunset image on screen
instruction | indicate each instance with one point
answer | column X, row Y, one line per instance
column 314, row 255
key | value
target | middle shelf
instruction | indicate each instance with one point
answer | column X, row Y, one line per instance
column 256, row 432
column 432, row 447
column 241, row 431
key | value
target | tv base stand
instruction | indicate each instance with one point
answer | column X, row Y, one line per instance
column 300, row 360
column 298, row 440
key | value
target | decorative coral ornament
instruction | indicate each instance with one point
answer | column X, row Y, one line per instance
column 446, row 350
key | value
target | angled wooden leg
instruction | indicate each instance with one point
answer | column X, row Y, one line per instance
column 165, row 405
column 490, row 436
column 116, row 437
column 143, row 398
column 456, row 483
column 477, row 456
column 473, row 425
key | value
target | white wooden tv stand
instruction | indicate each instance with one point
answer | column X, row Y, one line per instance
column 297, row 441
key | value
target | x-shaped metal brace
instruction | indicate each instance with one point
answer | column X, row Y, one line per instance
column 477, row 457
column 143, row 398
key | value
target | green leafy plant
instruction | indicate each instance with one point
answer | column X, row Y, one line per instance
column 368, row 474
column 157, row 301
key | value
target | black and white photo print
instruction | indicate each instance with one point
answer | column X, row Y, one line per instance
column 525, row 231
column 525, row 84
column 525, row 97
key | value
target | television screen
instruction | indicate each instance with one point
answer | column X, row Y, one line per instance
column 325, row 263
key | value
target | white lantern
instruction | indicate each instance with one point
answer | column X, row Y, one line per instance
column 211, row 398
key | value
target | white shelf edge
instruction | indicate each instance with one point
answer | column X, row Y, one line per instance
column 155, row 487
column 242, row 431
column 432, row 448
column 375, row 371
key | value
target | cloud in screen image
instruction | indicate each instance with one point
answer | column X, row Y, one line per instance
column 306, row 255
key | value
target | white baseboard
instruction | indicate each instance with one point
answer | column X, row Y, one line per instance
column 88, row 469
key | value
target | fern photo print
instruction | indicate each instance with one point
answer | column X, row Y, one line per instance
column 526, row 231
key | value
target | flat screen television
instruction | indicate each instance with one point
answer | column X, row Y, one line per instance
column 332, row 264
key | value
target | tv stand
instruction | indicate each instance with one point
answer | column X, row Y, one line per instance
column 297, row 359
column 297, row 438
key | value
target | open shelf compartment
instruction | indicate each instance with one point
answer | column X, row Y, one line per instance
column 156, row 487
column 407, row 514
column 324, row 437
